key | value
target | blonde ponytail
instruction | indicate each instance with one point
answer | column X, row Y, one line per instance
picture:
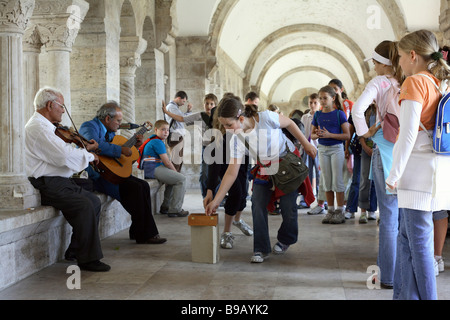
column 425, row 44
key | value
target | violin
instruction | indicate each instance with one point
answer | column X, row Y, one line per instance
column 70, row 136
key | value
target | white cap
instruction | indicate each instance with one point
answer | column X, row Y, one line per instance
column 380, row 59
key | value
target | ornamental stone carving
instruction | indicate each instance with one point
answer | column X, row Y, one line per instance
column 14, row 15
column 57, row 36
column 58, row 22
column 32, row 39
column 131, row 49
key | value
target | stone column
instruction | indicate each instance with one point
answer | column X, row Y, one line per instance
column 31, row 50
column 131, row 49
column 444, row 20
column 16, row 193
column 58, row 23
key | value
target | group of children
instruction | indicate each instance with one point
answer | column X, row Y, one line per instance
column 401, row 163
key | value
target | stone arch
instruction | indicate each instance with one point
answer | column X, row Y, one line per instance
column 327, row 50
column 127, row 20
column 391, row 8
column 294, row 71
column 217, row 22
column 350, row 43
column 299, row 99
column 146, row 76
column 131, row 46
column 395, row 16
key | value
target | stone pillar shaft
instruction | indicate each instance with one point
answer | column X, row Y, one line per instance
column 58, row 24
column 15, row 190
column 31, row 50
column 131, row 49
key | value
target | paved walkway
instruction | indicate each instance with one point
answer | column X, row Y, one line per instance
column 328, row 262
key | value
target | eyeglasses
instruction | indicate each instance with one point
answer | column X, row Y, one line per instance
column 61, row 105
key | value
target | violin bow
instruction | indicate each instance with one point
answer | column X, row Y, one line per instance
column 74, row 126
column 82, row 142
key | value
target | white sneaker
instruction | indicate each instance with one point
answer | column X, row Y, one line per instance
column 328, row 217
column 226, row 240
column 349, row 215
column 280, row 248
column 338, row 217
column 317, row 210
column 372, row 215
column 258, row 257
column 363, row 217
column 244, row 227
column 440, row 263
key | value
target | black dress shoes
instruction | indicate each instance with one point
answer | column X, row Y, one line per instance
column 95, row 266
column 153, row 240
column 70, row 255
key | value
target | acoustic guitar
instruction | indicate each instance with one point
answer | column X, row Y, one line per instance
column 115, row 170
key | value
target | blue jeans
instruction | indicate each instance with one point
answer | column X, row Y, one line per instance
column 414, row 274
column 353, row 196
column 367, row 194
column 314, row 172
column 288, row 232
column 203, row 179
column 388, row 228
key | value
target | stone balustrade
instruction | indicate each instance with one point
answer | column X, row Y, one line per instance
column 33, row 239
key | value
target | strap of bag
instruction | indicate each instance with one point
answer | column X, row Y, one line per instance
column 171, row 121
column 338, row 118
column 378, row 109
column 438, row 89
column 205, row 119
column 429, row 78
column 250, row 150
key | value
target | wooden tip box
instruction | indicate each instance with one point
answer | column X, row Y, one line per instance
column 201, row 219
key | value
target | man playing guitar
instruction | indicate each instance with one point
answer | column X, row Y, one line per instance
column 131, row 192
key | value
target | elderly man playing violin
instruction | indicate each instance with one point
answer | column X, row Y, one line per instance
column 133, row 193
column 50, row 164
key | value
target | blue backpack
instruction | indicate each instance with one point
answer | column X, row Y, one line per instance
column 441, row 133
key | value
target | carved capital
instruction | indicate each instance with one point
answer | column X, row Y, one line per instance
column 15, row 15
column 32, row 40
column 57, row 36
column 131, row 49
column 58, row 22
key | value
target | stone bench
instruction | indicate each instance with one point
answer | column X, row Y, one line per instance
column 33, row 239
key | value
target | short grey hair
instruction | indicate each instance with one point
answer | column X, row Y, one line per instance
column 108, row 109
column 44, row 95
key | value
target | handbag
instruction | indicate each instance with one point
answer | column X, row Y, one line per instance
column 291, row 172
column 355, row 146
column 149, row 165
column 389, row 121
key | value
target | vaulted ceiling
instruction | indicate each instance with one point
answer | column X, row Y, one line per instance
column 285, row 46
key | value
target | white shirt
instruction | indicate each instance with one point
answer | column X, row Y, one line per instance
column 267, row 139
column 376, row 90
column 48, row 155
column 422, row 175
column 178, row 127
column 307, row 122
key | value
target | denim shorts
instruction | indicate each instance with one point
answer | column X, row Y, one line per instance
column 439, row 215
column 332, row 160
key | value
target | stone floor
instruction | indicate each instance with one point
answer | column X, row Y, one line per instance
column 328, row 262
